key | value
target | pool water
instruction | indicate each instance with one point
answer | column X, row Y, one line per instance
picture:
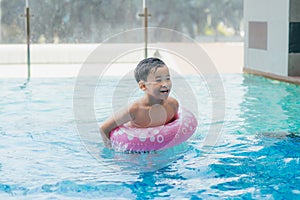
column 42, row 155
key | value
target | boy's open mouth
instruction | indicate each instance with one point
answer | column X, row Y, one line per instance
column 164, row 91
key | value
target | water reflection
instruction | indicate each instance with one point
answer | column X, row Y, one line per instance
column 264, row 106
column 290, row 104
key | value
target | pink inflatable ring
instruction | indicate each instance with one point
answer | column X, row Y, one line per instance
column 127, row 138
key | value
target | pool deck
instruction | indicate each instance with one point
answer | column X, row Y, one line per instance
column 66, row 60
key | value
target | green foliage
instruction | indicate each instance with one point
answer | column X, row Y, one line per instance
column 90, row 21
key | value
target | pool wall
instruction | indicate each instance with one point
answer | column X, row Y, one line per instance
column 272, row 43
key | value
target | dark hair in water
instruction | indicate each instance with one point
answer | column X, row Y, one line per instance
column 144, row 67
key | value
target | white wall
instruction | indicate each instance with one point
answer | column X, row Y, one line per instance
column 65, row 60
column 276, row 13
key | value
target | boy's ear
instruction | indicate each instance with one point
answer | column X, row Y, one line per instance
column 142, row 85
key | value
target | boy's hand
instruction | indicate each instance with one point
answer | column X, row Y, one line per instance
column 106, row 140
column 107, row 143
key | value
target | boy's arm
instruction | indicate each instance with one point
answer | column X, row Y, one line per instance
column 117, row 119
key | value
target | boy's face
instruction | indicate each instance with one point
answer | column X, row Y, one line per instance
column 158, row 83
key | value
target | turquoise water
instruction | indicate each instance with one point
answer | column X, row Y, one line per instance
column 42, row 156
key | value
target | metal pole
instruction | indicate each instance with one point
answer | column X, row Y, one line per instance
column 145, row 27
column 28, row 39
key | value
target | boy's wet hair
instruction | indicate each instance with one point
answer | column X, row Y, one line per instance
column 145, row 66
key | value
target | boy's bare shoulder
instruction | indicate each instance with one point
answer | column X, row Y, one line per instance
column 173, row 102
column 134, row 107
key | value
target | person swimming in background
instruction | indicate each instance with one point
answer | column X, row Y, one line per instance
column 154, row 108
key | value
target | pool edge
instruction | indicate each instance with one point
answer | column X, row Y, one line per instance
column 288, row 79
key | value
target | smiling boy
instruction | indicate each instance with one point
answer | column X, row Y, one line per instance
column 154, row 108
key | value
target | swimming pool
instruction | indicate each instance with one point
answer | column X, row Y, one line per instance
column 42, row 156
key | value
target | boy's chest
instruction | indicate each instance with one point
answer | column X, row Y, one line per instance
column 154, row 116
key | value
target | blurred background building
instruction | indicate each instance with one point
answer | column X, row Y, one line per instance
column 92, row 21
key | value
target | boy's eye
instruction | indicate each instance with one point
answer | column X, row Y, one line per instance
column 158, row 80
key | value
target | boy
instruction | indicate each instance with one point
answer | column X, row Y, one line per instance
column 155, row 108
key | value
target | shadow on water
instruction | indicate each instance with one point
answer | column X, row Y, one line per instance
column 144, row 162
